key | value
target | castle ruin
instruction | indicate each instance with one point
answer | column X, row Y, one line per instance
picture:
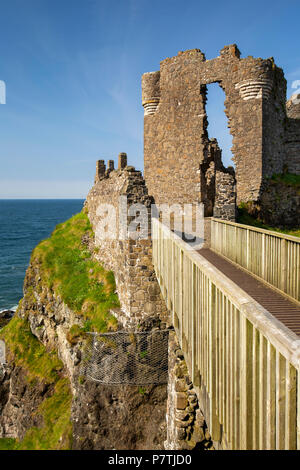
column 181, row 163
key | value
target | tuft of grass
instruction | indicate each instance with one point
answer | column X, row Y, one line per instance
column 68, row 268
column 75, row 333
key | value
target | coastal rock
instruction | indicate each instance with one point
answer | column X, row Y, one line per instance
column 7, row 314
column 5, row 317
column 102, row 416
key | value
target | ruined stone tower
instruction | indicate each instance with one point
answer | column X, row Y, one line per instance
column 176, row 143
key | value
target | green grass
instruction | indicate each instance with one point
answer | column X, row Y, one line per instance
column 7, row 444
column 245, row 218
column 67, row 267
column 40, row 365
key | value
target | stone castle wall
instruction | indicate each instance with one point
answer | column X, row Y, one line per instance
column 130, row 260
column 176, row 143
column 293, row 135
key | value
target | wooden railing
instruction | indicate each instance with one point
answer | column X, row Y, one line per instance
column 243, row 362
column 273, row 257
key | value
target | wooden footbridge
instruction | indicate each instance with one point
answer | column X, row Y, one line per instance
column 236, row 311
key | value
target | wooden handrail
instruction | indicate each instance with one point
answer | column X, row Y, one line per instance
column 258, row 229
column 272, row 257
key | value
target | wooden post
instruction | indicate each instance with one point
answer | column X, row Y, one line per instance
column 263, row 255
column 248, row 248
column 283, row 265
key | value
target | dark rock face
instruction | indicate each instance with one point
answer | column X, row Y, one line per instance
column 119, row 417
column 19, row 400
column 6, row 314
column 103, row 416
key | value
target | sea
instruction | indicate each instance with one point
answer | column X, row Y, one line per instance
column 23, row 224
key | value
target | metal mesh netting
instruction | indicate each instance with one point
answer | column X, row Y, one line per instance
column 139, row 358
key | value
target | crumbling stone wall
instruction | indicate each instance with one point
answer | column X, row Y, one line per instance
column 176, row 143
column 186, row 427
column 218, row 185
column 225, row 199
column 293, row 135
column 130, row 260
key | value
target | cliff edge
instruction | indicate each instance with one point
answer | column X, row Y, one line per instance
column 45, row 400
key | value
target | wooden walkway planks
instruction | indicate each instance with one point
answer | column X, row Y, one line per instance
column 283, row 309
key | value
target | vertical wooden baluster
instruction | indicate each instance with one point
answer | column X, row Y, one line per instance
column 280, row 400
column 271, row 397
column 246, row 383
column 215, row 426
column 291, row 408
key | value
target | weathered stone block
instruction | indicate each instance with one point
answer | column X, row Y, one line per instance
column 181, row 401
column 180, row 385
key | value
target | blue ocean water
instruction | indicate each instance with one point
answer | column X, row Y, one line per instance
column 23, row 224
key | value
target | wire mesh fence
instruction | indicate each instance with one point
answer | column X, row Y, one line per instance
column 139, row 358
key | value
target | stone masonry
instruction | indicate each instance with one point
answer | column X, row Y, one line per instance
column 130, row 260
column 293, row 134
column 176, row 144
column 225, row 198
column 186, row 427
column 218, row 185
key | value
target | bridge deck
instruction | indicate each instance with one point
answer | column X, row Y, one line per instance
column 283, row 309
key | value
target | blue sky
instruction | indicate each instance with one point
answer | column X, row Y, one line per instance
column 73, row 70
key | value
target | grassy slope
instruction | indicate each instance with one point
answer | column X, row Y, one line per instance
column 40, row 365
column 83, row 284
column 66, row 266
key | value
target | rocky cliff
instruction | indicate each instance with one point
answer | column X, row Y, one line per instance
column 45, row 401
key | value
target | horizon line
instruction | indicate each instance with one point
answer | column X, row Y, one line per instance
column 42, row 199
